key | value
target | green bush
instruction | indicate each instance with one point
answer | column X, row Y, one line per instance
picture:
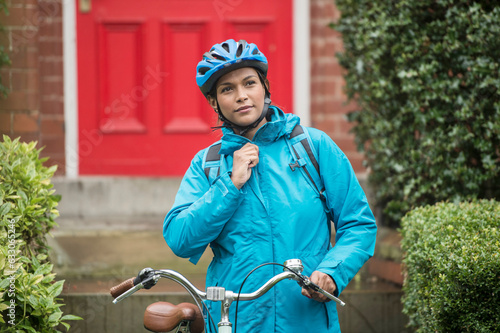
column 425, row 75
column 28, row 292
column 452, row 267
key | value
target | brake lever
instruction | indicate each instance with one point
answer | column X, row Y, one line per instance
column 307, row 283
column 128, row 293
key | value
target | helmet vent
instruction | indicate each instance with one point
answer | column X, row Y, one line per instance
column 239, row 51
column 225, row 47
column 256, row 51
column 218, row 56
column 203, row 70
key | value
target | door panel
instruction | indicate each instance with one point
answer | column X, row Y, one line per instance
column 140, row 111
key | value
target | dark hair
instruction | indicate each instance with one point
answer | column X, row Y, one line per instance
column 265, row 82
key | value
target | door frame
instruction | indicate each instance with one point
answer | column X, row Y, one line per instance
column 301, row 75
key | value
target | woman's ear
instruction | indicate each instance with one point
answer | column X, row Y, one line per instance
column 213, row 102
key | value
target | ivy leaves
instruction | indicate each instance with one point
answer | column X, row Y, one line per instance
column 425, row 75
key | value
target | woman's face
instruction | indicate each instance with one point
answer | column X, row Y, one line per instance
column 240, row 94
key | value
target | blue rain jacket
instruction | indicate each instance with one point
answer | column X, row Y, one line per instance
column 275, row 216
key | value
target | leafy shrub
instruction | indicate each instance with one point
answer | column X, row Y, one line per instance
column 28, row 292
column 425, row 75
column 452, row 267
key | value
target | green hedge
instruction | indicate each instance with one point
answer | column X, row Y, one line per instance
column 425, row 75
column 452, row 267
column 28, row 290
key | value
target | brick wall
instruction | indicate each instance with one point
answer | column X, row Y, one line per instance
column 328, row 101
column 34, row 109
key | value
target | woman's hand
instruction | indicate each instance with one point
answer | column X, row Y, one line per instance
column 325, row 282
column 244, row 160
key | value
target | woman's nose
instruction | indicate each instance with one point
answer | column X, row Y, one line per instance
column 241, row 94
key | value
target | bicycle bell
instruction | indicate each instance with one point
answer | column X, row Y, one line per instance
column 294, row 265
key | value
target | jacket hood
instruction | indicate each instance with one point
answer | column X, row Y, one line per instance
column 280, row 124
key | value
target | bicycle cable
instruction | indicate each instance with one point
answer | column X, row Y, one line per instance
column 201, row 307
column 245, row 279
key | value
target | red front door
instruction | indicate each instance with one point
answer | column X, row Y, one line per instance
column 140, row 110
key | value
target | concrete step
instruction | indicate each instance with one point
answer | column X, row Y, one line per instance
column 94, row 254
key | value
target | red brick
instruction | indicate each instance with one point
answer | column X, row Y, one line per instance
column 317, row 68
column 316, row 88
column 55, row 159
column 26, row 123
column 26, row 137
column 52, row 87
column 5, row 122
column 53, row 145
column 317, row 106
column 332, row 88
column 20, row 101
column 16, row 16
column 356, row 160
column 26, row 80
column 52, row 126
column 52, row 106
column 332, row 11
column 29, row 2
column 24, row 57
column 50, row 47
column 333, row 46
column 345, row 143
column 316, row 49
column 50, row 27
column 5, row 39
column 316, row 10
column 52, row 9
column 333, row 69
column 326, row 125
column 336, row 106
column 51, row 67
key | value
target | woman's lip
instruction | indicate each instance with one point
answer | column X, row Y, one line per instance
column 244, row 108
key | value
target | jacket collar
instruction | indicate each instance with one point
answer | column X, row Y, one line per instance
column 280, row 124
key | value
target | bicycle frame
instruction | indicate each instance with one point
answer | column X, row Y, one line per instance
column 292, row 270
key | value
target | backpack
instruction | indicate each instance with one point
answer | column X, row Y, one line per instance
column 304, row 159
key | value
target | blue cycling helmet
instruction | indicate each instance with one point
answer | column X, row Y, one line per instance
column 226, row 57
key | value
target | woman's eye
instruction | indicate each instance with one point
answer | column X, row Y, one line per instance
column 251, row 82
column 226, row 89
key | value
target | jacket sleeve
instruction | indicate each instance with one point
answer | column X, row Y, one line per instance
column 200, row 211
column 353, row 219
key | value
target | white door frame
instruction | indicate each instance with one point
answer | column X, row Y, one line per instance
column 301, row 75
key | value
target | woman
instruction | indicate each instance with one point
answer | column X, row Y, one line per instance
column 258, row 210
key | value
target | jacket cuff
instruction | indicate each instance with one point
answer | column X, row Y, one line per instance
column 336, row 272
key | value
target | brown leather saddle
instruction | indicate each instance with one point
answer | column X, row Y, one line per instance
column 165, row 317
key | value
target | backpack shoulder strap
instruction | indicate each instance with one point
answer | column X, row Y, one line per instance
column 211, row 162
column 304, row 155
column 305, row 158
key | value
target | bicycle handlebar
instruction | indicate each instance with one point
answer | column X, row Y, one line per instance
column 148, row 278
column 122, row 287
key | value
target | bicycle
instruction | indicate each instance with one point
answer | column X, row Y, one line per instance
column 187, row 317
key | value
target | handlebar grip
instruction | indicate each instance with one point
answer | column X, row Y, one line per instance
column 122, row 287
